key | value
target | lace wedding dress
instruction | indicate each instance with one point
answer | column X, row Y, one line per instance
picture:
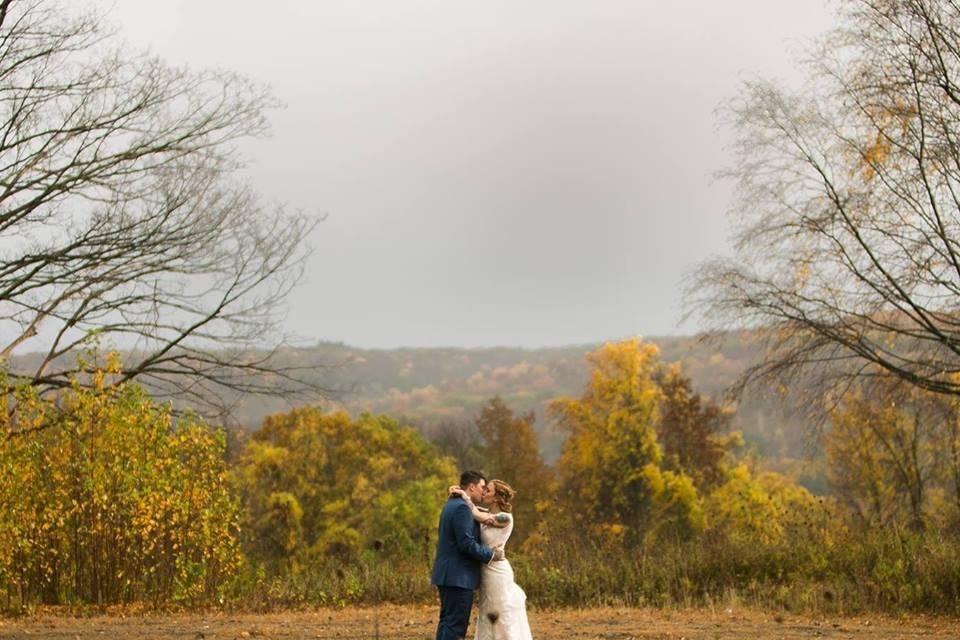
column 502, row 603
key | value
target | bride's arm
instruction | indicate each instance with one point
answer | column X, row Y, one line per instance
column 482, row 517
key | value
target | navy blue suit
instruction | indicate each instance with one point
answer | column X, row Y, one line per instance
column 456, row 567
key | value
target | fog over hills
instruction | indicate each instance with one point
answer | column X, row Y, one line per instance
column 424, row 386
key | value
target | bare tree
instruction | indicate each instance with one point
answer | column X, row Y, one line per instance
column 123, row 222
column 848, row 210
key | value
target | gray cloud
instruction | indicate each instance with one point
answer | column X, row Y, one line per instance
column 494, row 172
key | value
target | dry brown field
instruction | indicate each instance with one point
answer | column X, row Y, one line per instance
column 417, row 623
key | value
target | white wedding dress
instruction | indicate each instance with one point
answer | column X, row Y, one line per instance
column 502, row 604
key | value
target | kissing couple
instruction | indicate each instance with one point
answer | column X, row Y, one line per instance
column 475, row 525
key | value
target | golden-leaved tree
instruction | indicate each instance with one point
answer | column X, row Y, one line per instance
column 610, row 474
column 319, row 485
column 888, row 445
column 764, row 508
column 106, row 498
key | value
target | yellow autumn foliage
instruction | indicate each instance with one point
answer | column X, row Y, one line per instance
column 320, row 485
column 107, row 498
column 761, row 508
column 610, row 474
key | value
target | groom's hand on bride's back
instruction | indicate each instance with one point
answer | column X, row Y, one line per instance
column 498, row 554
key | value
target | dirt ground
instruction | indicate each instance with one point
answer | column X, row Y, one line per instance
column 417, row 623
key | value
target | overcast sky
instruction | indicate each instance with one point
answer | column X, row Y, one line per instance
column 494, row 173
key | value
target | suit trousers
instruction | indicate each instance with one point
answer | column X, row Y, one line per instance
column 455, row 605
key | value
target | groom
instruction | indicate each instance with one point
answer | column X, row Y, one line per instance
column 456, row 567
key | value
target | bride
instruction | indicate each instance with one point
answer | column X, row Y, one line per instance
column 502, row 603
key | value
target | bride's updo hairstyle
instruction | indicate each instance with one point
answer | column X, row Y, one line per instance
column 503, row 494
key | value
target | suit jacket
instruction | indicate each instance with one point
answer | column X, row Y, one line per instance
column 459, row 552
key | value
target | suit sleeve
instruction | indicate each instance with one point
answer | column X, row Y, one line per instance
column 466, row 539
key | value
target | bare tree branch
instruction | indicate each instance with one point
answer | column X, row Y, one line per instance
column 848, row 208
column 123, row 223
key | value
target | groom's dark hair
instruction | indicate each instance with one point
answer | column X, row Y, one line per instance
column 471, row 477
